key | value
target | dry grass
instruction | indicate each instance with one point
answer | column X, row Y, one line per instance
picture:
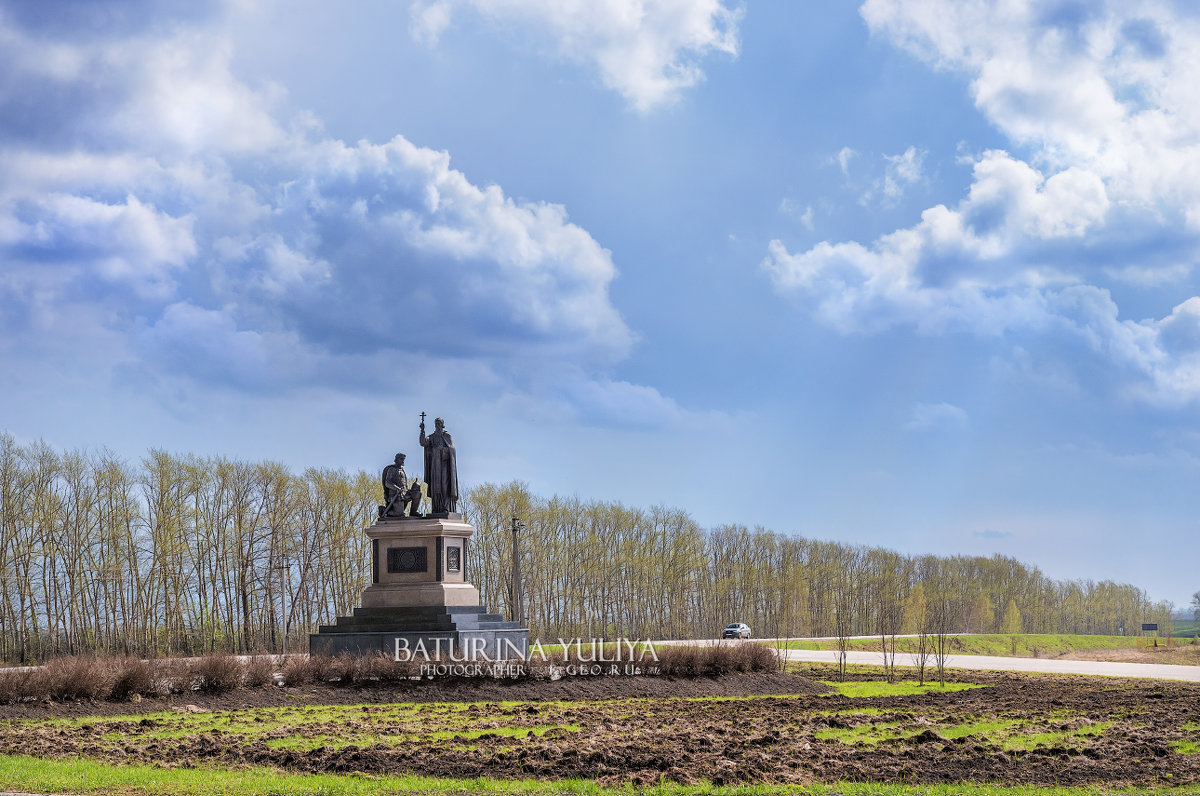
column 1185, row 655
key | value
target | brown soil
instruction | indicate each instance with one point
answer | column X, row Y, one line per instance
column 441, row 690
column 1080, row 731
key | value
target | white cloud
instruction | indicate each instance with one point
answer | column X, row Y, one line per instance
column 843, row 158
column 791, row 207
column 1109, row 87
column 648, row 51
column 905, row 167
column 901, row 171
column 127, row 242
column 957, row 266
column 1104, row 99
column 203, row 237
column 568, row 394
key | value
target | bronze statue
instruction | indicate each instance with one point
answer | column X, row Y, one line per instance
column 397, row 494
column 441, row 468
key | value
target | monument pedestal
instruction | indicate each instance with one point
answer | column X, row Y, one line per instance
column 419, row 598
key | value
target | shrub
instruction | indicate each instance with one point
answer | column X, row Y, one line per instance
column 715, row 660
column 258, row 671
column 75, row 677
column 299, row 670
column 345, row 670
column 680, row 661
column 175, row 676
column 381, row 668
column 133, row 676
column 754, row 658
column 16, row 686
column 216, row 673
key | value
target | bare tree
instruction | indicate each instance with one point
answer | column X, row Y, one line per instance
column 842, row 624
column 940, row 616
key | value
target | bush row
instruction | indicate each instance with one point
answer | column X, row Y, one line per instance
column 81, row 678
column 86, row 677
column 716, row 660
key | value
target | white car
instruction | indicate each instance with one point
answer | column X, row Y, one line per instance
column 736, row 630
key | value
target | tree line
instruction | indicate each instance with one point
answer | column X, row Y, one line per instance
column 180, row 554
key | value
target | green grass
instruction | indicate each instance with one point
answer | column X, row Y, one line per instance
column 330, row 726
column 1026, row 645
column 868, row 734
column 1188, row 746
column 1185, row 628
column 860, row 689
column 84, row 777
column 1005, row 734
column 873, row 733
column 1065, row 737
column 338, row 741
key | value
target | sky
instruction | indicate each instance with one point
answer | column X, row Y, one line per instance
column 918, row 274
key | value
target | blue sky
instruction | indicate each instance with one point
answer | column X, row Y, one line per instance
column 917, row 274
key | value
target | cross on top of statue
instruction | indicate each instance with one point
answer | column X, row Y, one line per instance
column 402, row 498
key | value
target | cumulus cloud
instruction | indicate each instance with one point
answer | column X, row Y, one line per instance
column 958, row 266
column 1109, row 87
column 163, row 202
column 647, row 51
column 1100, row 103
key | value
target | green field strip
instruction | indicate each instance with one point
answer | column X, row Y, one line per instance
column 1005, row 734
column 333, row 726
column 96, row 779
column 1023, row 645
column 340, row 740
column 863, row 688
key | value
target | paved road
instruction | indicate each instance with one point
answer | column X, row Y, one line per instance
column 1159, row 671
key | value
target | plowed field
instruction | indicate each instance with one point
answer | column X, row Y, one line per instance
column 1016, row 729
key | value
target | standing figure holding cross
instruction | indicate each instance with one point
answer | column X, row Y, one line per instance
column 441, row 468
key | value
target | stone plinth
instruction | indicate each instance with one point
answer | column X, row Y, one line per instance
column 420, row 595
column 419, row 562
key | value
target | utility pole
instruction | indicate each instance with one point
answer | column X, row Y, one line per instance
column 283, row 566
column 517, row 525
